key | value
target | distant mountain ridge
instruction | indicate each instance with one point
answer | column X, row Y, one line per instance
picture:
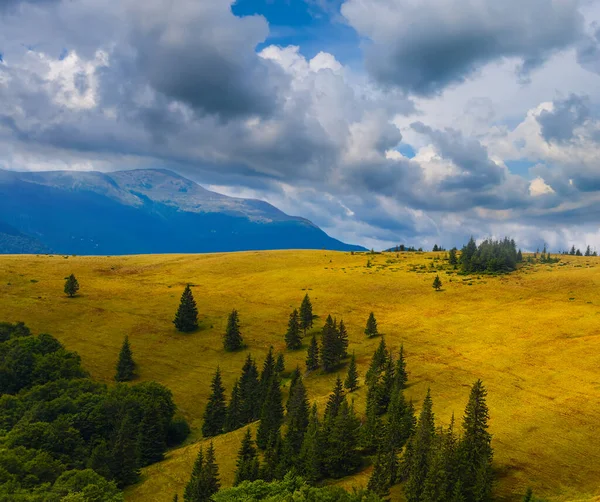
column 138, row 212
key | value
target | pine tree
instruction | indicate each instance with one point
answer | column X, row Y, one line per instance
column 125, row 364
column 519, row 256
column 400, row 374
column 452, row 259
column 186, row 318
column 271, row 416
column 293, row 338
column 418, row 460
column 216, row 409
column 268, row 371
column 330, row 347
column 336, row 398
column 371, row 329
column 306, row 314
column 341, row 456
column 233, row 338
column 351, row 382
column 271, row 466
column 401, row 419
column 374, row 378
column 247, row 461
column 233, row 419
column 343, row 340
column 382, row 474
column 124, row 455
column 387, row 383
column 204, row 482
column 151, row 441
column 193, row 490
column 372, row 428
column 442, row 475
column 250, row 396
column 475, row 448
column 437, row 283
column 210, row 477
column 310, row 452
column 312, row 357
column 280, row 364
column 297, row 420
column 71, row 286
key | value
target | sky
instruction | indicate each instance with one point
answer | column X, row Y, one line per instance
column 382, row 121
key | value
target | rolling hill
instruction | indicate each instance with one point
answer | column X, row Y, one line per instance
column 138, row 212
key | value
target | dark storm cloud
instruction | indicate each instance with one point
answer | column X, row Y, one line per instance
column 558, row 125
column 425, row 46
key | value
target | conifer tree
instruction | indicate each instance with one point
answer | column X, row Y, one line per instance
column 441, row 478
column 475, row 448
column 312, row 357
column 341, row 456
column 452, row 259
column 71, row 286
column 330, row 347
column 297, row 420
column 204, row 482
column 293, row 338
column 124, row 465
column 186, row 318
column 151, row 441
column 336, row 398
column 233, row 418
column 306, row 314
column 125, row 364
column 383, row 474
column 375, row 377
column 271, row 467
column 280, row 364
column 211, row 472
column 216, row 409
column 372, row 428
column 528, row 495
column 193, row 490
column 387, row 383
column 371, row 329
column 419, row 454
column 401, row 419
column 519, row 256
column 268, row 371
column 351, row 382
column 247, row 462
column 271, row 416
column 437, row 283
column 233, row 338
column 400, row 374
column 342, row 340
column 310, row 452
column 250, row 400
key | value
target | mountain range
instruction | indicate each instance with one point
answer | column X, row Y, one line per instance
column 140, row 211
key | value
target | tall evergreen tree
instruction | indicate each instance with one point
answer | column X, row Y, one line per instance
column 125, row 364
column 297, row 420
column 186, row 318
column 71, row 286
column 233, row 338
column 335, row 400
column 387, row 383
column 271, row 416
column 401, row 419
column 383, row 474
column 250, row 395
column 330, row 347
column 280, row 364
column 193, row 491
column 268, row 371
column 216, row 408
column 151, row 440
column 400, row 374
column 371, row 328
column 124, row 465
column 419, row 454
column 233, row 419
column 452, row 258
column 375, row 377
column 306, row 314
column 211, row 472
column 311, row 452
column 271, row 468
column 351, row 382
column 475, row 447
column 247, row 461
column 293, row 337
column 312, row 357
column 372, row 428
column 341, row 456
column 441, row 478
column 342, row 340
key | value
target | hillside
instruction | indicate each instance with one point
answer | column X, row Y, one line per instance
column 141, row 211
column 533, row 337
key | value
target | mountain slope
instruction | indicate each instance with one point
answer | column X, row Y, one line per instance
column 143, row 211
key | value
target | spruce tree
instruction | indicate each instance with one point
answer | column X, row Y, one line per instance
column 271, row 416
column 216, row 409
column 312, row 357
column 330, row 347
column 210, row 475
column 437, row 283
column 401, row 419
column 372, row 428
column 475, row 447
column 442, row 476
column 335, row 400
column 124, row 465
column 419, row 457
column 452, row 259
column 151, row 441
column 311, row 452
column 186, row 318
column 371, row 328
column 250, row 400
column 382, row 475
column 233, row 338
column 71, row 286
column 271, row 468
column 267, row 372
column 375, row 377
column 234, row 419
column 400, row 374
column 342, row 340
column 293, row 338
column 297, row 419
column 280, row 364
column 306, row 314
column 351, row 382
column 341, row 456
column 125, row 364
column 193, row 491
column 247, row 462
column 294, row 378
column 387, row 383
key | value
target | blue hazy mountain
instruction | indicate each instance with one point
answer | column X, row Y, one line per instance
column 140, row 211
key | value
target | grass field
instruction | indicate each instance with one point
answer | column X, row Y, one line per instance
column 533, row 337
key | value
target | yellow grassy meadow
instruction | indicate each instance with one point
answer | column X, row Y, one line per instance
column 533, row 337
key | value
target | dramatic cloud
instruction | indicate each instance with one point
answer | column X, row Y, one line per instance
column 566, row 115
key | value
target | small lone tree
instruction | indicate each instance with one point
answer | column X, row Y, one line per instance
column 351, row 382
column 306, row 314
column 437, row 283
column 293, row 339
column 71, row 286
column 232, row 340
column 125, row 364
column 186, row 318
column 371, row 329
